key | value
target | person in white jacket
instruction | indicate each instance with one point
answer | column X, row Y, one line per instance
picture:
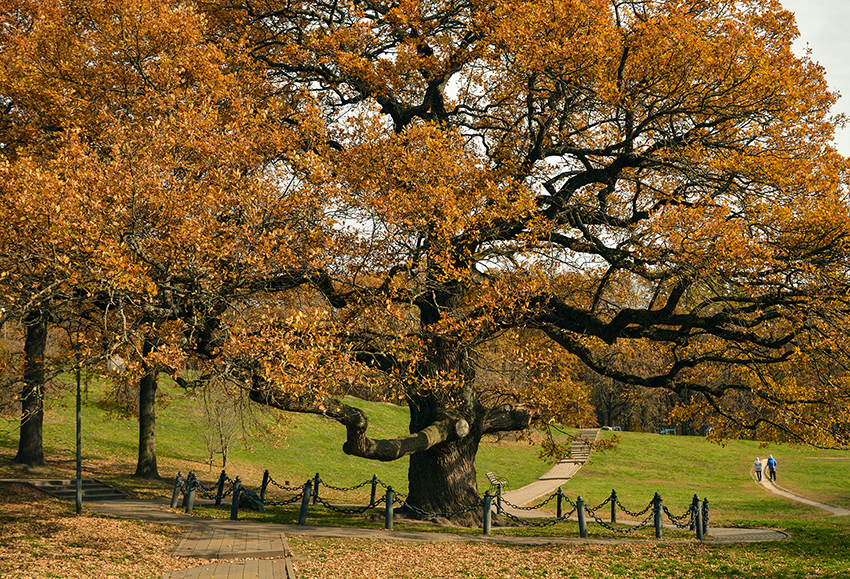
column 757, row 466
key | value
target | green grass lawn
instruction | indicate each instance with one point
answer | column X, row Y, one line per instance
column 638, row 466
column 293, row 447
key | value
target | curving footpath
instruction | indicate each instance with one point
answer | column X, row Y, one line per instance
column 771, row 487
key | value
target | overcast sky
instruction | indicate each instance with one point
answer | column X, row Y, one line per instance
column 825, row 27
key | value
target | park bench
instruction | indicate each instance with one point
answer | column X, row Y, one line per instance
column 496, row 483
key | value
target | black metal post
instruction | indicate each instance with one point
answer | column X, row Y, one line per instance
column 698, row 518
column 695, row 507
column 388, row 511
column 234, row 505
column 582, row 522
column 373, row 496
column 613, row 506
column 188, row 487
column 190, row 495
column 488, row 512
column 560, row 503
column 266, row 478
column 498, row 498
column 705, row 516
column 305, row 502
column 658, row 511
column 220, row 491
column 316, row 488
column 178, row 487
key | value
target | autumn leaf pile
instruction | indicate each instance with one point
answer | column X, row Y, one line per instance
column 42, row 537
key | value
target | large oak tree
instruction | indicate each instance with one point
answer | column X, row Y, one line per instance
column 316, row 198
column 644, row 176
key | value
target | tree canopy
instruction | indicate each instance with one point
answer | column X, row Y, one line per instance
column 332, row 197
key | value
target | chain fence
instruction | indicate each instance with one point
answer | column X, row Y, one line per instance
column 696, row 517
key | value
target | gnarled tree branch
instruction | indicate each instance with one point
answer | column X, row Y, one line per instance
column 446, row 427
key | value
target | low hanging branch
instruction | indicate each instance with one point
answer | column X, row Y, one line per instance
column 446, row 427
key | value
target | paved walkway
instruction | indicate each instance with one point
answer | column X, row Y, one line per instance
column 772, row 487
column 250, row 550
column 558, row 475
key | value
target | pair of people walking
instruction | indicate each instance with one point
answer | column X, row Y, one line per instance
column 771, row 468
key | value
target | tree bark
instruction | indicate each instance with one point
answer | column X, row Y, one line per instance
column 443, row 480
column 31, row 445
column 146, row 465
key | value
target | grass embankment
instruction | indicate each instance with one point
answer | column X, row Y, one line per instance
column 640, row 465
column 293, row 447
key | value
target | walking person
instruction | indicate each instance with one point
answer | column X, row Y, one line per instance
column 771, row 467
column 757, row 466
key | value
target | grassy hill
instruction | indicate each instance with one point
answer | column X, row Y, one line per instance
column 293, row 447
column 638, row 466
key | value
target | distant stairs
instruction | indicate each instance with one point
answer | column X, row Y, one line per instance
column 66, row 490
column 582, row 445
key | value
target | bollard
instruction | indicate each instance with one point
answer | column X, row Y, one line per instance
column 705, row 516
column 658, row 512
column 698, row 518
column 266, row 478
column 613, row 506
column 582, row 522
column 695, row 508
column 316, row 481
column 372, row 496
column 188, row 486
column 234, row 505
column 220, row 492
column 305, row 503
column 498, row 499
column 178, row 486
column 388, row 511
column 488, row 512
column 560, row 503
column 192, row 483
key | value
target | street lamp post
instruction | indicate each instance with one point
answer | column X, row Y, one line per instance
column 79, row 437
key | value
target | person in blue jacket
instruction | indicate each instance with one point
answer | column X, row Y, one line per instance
column 771, row 467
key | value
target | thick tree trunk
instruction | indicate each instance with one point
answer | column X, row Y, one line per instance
column 30, row 447
column 442, row 479
column 146, row 465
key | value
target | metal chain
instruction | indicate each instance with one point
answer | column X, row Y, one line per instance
column 354, row 488
column 352, row 510
column 424, row 513
column 684, row 521
column 626, row 531
column 544, row 523
column 532, row 508
column 675, row 520
column 596, row 508
column 282, row 487
column 293, row 500
column 205, row 492
column 640, row 514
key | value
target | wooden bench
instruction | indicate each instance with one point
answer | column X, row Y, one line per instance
column 496, row 483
